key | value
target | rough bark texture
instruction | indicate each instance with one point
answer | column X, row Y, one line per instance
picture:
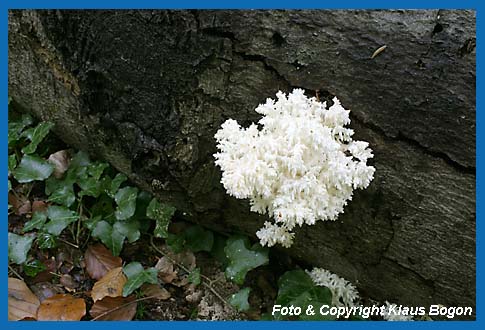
column 147, row 90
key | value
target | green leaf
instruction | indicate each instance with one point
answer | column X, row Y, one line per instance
column 130, row 229
column 240, row 299
column 15, row 129
column 37, row 222
column 125, row 198
column 32, row 168
column 96, row 170
column 12, row 163
column 297, row 288
column 137, row 276
column 46, row 241
column 92, row 222
column 36, row 135
column 18, row 247
column 115, row 184
column 90, row 187
column 63, row 194
column 9, row 187
column 113, row 239
column 176, row 242
column 194, row 276
column 218, row 250
column 60, row 217
column 33, row 268
column 198, row 239
column 161, row 213
column 242, row 259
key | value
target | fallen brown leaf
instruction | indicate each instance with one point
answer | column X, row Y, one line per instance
column 22, row 303
column 165, row 270
column 68, row 282
column 20, row 204
column 99, row 261
column 114, row 309
column 60, row 160
column 46, row 290
column 155, row 291
column 186, row 259
column 111, row 285
column 39, row 206
column 61, row 307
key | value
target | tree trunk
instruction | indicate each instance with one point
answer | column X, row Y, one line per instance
column 147, row 90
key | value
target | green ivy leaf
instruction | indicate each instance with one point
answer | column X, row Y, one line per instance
column 161, row 213
column 125, row 198
column 194, row 276
column 242, row 259
column 90, row 186
column 218, row 249
column 46, row 241
column 60, row 217
column 33, row 268
column 240, row 299
column 297, row 288
column 130, row 229
column 137, row 276
column 32, row 168
column 92, row 222
column 176, row 242
column 96, row 170
column 12, row 163
column 110, row 237
column 18, row 247
column 62, row 194
column 15, row 129
column 9, row 188
column 115, row 184
column 198, row 239
column 37, row 222
column 36, row 135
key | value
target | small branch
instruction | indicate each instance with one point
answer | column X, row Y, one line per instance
column 15, row 273
column 123, row 306
column 69, row 243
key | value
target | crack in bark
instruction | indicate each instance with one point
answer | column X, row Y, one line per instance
column 411, row 142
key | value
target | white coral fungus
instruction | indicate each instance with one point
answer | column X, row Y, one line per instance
column 301, row 167
column 344, row 293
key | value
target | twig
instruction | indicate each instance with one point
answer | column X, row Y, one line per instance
column 123, row 306
column 69, row 243
column 207, row 282
column 15, row 273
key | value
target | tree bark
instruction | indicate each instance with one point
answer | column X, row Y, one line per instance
column 147, row 90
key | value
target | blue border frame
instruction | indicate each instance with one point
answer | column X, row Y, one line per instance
column 248, row 4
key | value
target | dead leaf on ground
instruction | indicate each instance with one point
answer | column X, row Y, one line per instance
column 113, row 309
column 111, row 285
column 186, row 259
column 100, row 261
column 46, row 275
column 156, row 291
column 61, row 161
column 22, row 303
column 46, row 290
column 68, row 282
column 61, row 307
column 165, row 270
column 39, row 206
column 20, row 204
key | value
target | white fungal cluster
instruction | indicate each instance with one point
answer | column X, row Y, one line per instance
column 301, row 167
column 344, row 293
